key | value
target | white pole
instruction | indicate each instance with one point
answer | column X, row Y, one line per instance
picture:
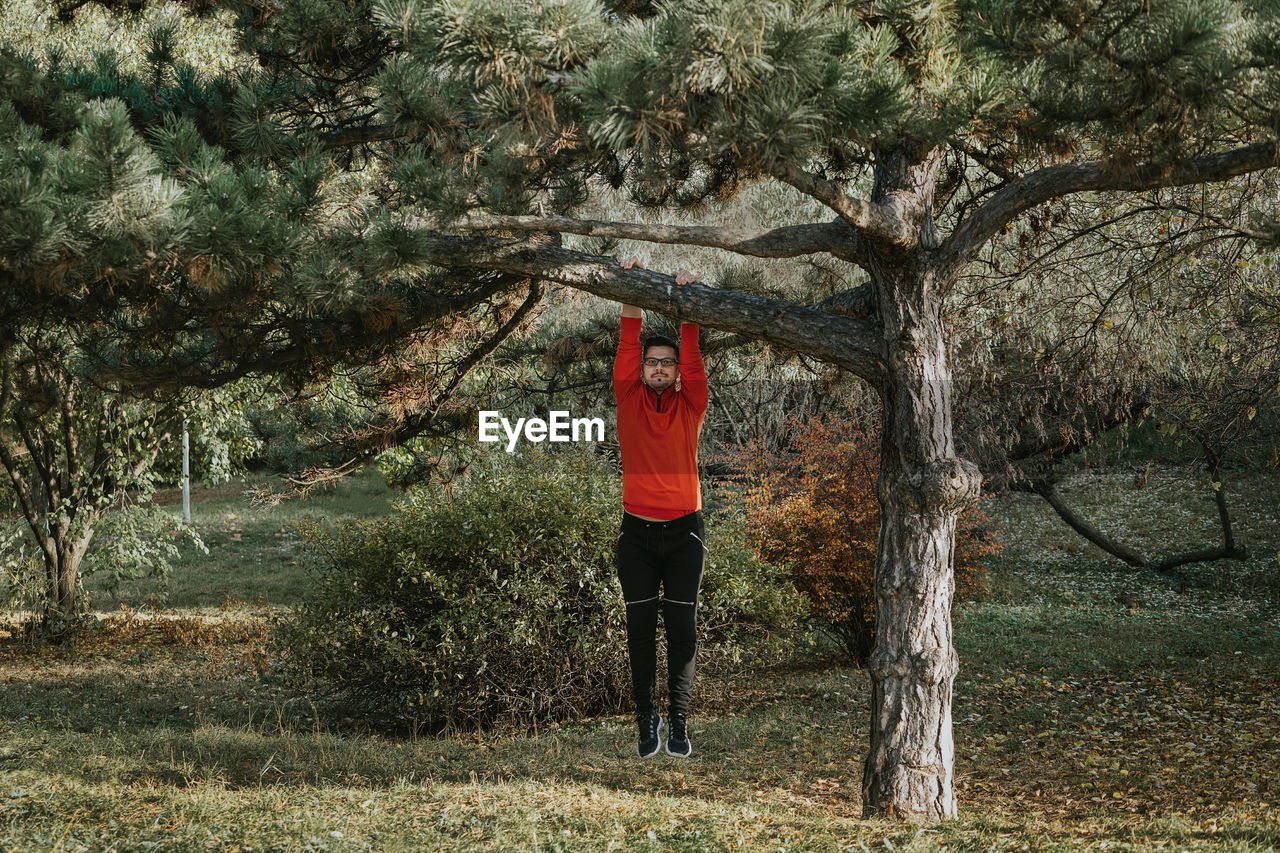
column 186, row 474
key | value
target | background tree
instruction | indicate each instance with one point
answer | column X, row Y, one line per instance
column 78, row 458
column 1168, row 322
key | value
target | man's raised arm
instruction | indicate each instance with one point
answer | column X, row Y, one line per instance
column 630, row 310
column 693, row 373
column 626, row 365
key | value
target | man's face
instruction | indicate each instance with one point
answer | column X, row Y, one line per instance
column 660, row 376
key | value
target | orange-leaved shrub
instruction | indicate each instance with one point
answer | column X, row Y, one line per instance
column 813, row 509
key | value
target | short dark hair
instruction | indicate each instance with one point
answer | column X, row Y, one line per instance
column 660, row 341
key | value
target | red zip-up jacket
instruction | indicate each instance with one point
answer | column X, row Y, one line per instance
column 658, row 433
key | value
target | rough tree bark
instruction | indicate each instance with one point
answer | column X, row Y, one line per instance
column 922, row 489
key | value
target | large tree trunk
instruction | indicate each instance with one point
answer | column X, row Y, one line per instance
column 923, row 488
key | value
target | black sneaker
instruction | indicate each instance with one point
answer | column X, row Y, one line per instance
column 678, row 737
column 650, row 725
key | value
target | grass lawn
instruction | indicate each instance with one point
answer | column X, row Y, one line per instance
column 252, row 549
column 1080, row 723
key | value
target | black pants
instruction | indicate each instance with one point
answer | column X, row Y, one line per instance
column 660, row 564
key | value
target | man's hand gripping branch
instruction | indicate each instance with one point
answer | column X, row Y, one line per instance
column 683, row 277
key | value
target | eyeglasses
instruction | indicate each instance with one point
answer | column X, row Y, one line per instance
column 665, row 362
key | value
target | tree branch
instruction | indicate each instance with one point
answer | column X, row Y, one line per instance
column 22, row 490
column 70, row 440
column 859, row 301
column 302, row 346
column 488, row 346
column 1228, row 550
column 855, row 345
column 876, row 222
column 435, row 419
column 360, row 135
column 1046, row 489
column 786, row 242
column 1055, row 181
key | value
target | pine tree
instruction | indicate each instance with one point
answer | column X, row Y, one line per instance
column 150, row 245
column 924, row 128
column 921, row 129
column 163, row 212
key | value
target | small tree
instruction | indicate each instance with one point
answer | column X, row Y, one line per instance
column 73, row 453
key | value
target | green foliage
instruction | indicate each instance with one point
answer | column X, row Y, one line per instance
column 1133, row 76
column 90, row 208
column 160, row 36
column 293, row 437
column 498, row 44
column 762, row 81
column 128, row 544
column 749, row 613
column 496, row 599
column 137, row 542
column 23, row 585
column 221, row 445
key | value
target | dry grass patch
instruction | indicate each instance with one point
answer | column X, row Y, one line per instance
column 178, row 743
column 1080, row 724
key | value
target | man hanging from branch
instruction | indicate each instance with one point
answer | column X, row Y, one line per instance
column 662, row 393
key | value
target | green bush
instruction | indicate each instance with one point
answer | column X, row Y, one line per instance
column 496, row 599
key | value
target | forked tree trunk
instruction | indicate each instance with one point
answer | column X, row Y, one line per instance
column 922, row 488
column 44, row 463
column 61, row 561
column 63, row 571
